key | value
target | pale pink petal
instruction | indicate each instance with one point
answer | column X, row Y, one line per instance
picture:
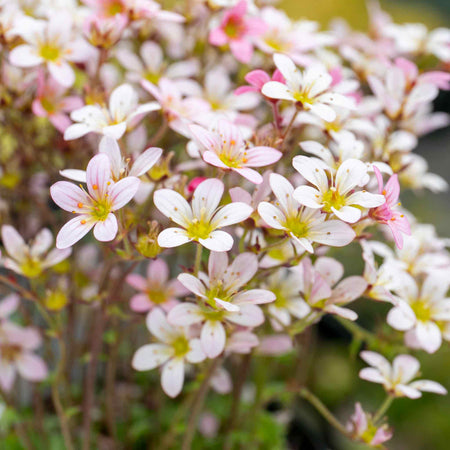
column 62, row 73
column 272, row 216
column 248, row 316
column 429, row 336
column 31, row 367
column 378, row 361
column 185, row 314
column 98, row 174
column 371, row 374
column 140, row 303
column 405, row 368
column 429, row 386
column 213, row 338
column 14, row 243
column 192, row 283
column 137, row 281
column 7, row 376
column 308, row 196
column 254, row 296
column 158, row 325
column 196, row 353
column 325, row 112
column 145, row 161
column 68, row 196
column 347, row 214
column 24, row 56
column 8, row 305
column 207, row 197
column 249, row 174
column 172, row 377
column 330, row 269
column 408, row 391
column 73, row 231
column 123, row 191
column 213, row 159
column 106, row 230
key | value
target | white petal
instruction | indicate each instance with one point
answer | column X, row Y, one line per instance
column 218, row 241
column 106, row 230
column 332, row 232
column 172, row 237
column 311, row 171
column 207, row 197
column 401, row 317
column 347, row 213
column 185, row 314
column 308, row 196
column 429, row 336
column 273, row 217
column 274, row 89
column 213, row 338
column 73, row 231
column 405, row 368
column 173, row 206
column 172, row 377
column 429, row 386
column 371, row 374
column 157, row 324
column 231, row 214
column 150, row 356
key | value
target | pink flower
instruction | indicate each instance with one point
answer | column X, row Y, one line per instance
column 175, row 347
column 224, row 301
column 104, row 32
column 94, row 208
column 51, row 103
column 386, row 213
column 257, row 79
column 155, row 290
column 237, row 30
column 16, row 348
column 362, row 427
column 226, row 148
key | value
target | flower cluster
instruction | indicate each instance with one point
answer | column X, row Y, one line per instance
column 245, row 162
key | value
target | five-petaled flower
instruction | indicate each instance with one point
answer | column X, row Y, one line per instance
column 94, row 208
column 200, row 221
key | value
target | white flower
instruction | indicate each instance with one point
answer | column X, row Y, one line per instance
column 123, row 110
column 311, row 89
column 30, row 260
column 200, row 221
column 396, row 379
column 304, row 225
column 175, row 348
column 421, row 310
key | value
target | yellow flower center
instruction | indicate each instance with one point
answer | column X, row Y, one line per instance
column 31, row 268
column 47, row 105
column 115, row 7
column 422, row 310
column 100, row 211
column 157, row 295
column 180, row 346
column 50, row 52
column 281, row 299
column 302, row 97
column 296, row 227
column 199, row 229
column 332, row 198
column 233, row 28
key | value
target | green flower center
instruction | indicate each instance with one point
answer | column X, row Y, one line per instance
column 281, row 299
column 151, row 76
column 157, row 295
column 233, row 28
column 115, row 8
column 47, row 105
column 214, row 315
column 332, row 198
column 50, row 52
column 422, row 310
column 180, row 346
column 31, row 268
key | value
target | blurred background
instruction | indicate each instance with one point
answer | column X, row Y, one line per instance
column 419, row 424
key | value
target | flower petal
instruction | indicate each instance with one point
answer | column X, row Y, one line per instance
column 213, row 338
column 150, row 356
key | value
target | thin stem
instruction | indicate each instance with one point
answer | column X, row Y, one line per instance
column 63, row 420
column 25, row 293
column 197, row 406
column 382, row 410
column 288, row 128
column 238, row 385
column 323, row 410
column 198, row 259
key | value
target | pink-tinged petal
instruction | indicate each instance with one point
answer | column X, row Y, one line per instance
column 150, row 356
column 254, row 296
column 333, row 233
column 185, row 314
column 173, row 237
column 308, row 196
column 348, row 214
column 158, row 272
column 345, row 313
column 401, row 317
column 69, row 196
column 272, row 216
column 123, row 191
column 274, row 89
column 145, row 161
column 339, row 100
column 231, row 214
column 60, row 121
column 349, row 289
column 217, row 265
column 405, row 368
column 227, row 306
column 196, row 353
column 115, row 131
column 250, row 174
column 173, row 206
column 69, row 104
column 73, row 231
column 106, row 230
column 192, row 283
column 255, row 26
column 238, row 194
column 213, row 338
column 429, row 386
column 325, row 112
column 218, row 241
column 407, row 391
column 392, row 189
column 159, row 327
column 172, row 377
column 262, row 156
column 62, row 73
column 213, row 159
column 283, row 191
column 242, row 342
column 429, row 336
column 110, row 147
column 31, row 367
column 207, row 197
column 242, row 50
column 365, row 199
column 8, row 305
column 217, row 37
column 372, row 375
column 330, row 269
column 24, row 56
column 257, row 78
column 205, row 138
column 14, row 243
column 351, row 173
column 136, row 281
column 221, row 381
column 288, row 70
column 275, row 345
column 298, row 308
column 140, row 303
column 98, row 175
column 7, row 376
column 241, row 271
column 248, row 316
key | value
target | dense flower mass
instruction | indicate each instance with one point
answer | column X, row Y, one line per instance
column 233, row 165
